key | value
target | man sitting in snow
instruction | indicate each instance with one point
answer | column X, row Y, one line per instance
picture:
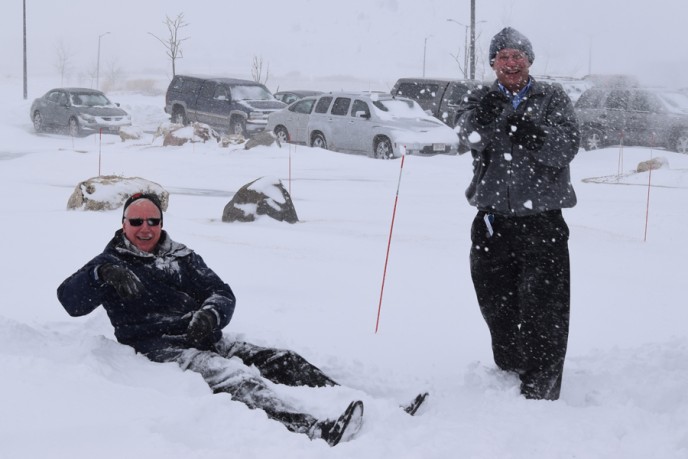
column 167, row 304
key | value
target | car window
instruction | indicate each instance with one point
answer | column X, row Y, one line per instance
column 323, row 104
column 221, row 93
column 341, row 106
column 644, row 101
column 458, row 94
column 177, row 83
column 358, row 107
column 418, row 91
column 303, row 106
column 618, row 99
column 54, row 96
column 590, row 99
column 191, row 86
column 62, row 99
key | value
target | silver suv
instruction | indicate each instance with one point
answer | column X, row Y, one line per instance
column 636, row 116
column 376, row 124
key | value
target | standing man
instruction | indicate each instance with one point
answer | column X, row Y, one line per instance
column 523, row 134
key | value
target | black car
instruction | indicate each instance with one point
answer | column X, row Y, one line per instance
column 227, row 104
column 78, row 111
column 634, row 116
column 439, row 97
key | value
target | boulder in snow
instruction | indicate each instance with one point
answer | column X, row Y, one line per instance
column 109, row 192
column 652, row 164
column 264, row 196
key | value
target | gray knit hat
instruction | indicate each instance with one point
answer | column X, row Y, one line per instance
column 511, row 38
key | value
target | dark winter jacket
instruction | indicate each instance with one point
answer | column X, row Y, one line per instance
column 176, row 283
column 509, row 179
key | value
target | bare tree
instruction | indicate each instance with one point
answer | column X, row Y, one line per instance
column 257, row 70
column 173, row 44
column 63, row 60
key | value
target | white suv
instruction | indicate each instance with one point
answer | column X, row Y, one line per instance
column 377, row 124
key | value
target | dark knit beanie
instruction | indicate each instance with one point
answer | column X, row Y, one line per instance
column 136, row 196
column 513, row 39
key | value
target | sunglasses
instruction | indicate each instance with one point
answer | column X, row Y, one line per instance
column 139, row 221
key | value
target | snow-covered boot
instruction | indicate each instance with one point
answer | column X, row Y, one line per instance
column 342, row 429
column 416, row 403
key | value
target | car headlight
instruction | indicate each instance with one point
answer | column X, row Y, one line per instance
column 87, row 117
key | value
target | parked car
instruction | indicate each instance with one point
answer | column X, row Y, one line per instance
column 441, row 98
column 78, row 111
column 376, row 124
column 648, row 117
column 227, row 104
column 292, row 96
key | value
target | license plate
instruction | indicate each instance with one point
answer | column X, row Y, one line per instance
column 438, row 147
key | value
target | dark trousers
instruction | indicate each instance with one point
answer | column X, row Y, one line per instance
column 241, row 370
column 521, row 277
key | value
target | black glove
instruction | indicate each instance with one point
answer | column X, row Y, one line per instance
column 523, row 131
column 125, row 282
column 490, row 107
column 201, row 327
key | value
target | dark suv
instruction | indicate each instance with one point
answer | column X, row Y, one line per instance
column 629, row 115
column 227, row 104
column 440, row 97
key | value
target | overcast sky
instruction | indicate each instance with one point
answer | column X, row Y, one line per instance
column 380, row 40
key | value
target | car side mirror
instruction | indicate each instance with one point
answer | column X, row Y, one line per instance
column 362, row 114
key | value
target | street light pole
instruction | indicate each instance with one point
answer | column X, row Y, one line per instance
column 472, row 39
column 425, row 48
column 98, row 61
column 25, row 78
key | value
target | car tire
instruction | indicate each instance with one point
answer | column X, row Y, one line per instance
column 237, row 126
column 282, row 134
column 681, row 141
column 318, row 141
column 73, row 127
column 179, row 116
column 592, row 138
column 383, row 148
column 38, row 122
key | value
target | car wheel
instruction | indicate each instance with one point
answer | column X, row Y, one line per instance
column 282, row 134
column 593, row 139
column 237, row 126
column 73, row 127
column 37, row 122
column 383, row 148
column 681, row 143
column 318, row 141
column 179, row 117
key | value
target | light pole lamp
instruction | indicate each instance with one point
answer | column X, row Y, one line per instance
column 98, row 61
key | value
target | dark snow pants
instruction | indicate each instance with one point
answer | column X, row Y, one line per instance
column 521, row 277
column 231, row 369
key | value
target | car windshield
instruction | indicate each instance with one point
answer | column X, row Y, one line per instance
column 252, row 92
column 398, row 108
column 89, row 99
column 675, row 102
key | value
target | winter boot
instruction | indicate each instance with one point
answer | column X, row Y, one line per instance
column 416, row 403
column 342, row 429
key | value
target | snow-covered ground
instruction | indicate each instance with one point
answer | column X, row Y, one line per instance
column 68, row 390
